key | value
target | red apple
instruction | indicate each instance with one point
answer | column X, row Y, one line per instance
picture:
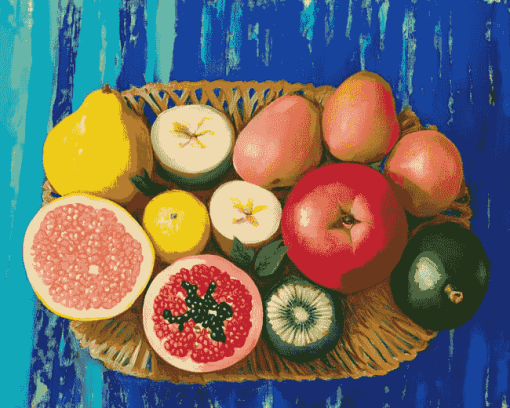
column 345, row 227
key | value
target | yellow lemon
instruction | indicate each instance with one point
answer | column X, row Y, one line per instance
column 178, row 225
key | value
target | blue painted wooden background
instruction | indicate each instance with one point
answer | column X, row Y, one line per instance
column 449, row 60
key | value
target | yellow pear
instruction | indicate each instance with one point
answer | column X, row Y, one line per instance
column 98, row 148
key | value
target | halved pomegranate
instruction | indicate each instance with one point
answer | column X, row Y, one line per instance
column 202, row 314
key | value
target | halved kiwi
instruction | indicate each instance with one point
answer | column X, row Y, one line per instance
column 302, row 320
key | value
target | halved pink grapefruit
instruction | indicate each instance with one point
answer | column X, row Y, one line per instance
column 86, row 257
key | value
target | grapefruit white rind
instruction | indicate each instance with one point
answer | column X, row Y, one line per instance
column 186, row 363
column 131, row 226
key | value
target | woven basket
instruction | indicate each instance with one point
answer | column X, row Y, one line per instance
column 377, row 336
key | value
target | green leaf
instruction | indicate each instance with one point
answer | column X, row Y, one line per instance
column 269, row 258
column 376, row 166
column 146, row 185
column 241, row 255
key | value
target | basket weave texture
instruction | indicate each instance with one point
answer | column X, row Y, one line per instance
column 377, row 337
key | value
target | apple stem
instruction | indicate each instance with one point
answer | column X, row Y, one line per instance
column 453, row 295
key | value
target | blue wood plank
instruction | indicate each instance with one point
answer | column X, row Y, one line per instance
column 188, row 66
column 55, row 379
column 253, row 54
column 213, row 40
column 473, row 391
column 318, row 21
column 69, row 32
column 133, row 44
column 395, row 53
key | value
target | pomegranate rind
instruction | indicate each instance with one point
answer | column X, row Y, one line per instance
column 131, row 226
column 186, row 363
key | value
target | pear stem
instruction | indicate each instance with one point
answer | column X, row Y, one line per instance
column 453, row 295
column 106, row 89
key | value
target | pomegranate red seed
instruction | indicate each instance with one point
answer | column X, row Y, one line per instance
column 199, row 345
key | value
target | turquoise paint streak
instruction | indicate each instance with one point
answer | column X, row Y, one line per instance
column 367, row 6
column 450, row 48
column 338, row 402
column 450, row 103
column 268, row 395
column 166, row 21
column 487, row 389
column 205, row 37
column 95, row 65
column 364, row 42
column 349, row 21
column 90, row 59
column 330, row 20
column 235, row 38
column 98, row 59
column 438, row 44
column 20, row 75
column 450, row 349
column 253, row 34
column 307, row 21
column 111, row 23
column 268, row 45
column 90, row 372
column 206, row 31
column 383, row 18
column 15, row 74
column 450, row 39
column 408, row 57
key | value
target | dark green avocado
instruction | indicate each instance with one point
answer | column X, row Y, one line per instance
column 302, row 321
column 442, row 277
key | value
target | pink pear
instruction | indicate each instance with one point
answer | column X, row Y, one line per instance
column 280, row 144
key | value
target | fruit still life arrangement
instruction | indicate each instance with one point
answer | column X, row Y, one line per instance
column 229, row 231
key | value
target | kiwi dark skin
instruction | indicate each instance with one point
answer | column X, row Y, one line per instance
column 313, row 350
column 442, row 277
